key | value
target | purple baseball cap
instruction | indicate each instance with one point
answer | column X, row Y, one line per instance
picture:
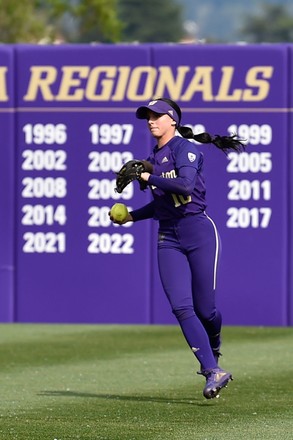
column 157, row 106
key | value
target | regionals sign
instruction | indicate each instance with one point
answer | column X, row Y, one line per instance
column 74, row 113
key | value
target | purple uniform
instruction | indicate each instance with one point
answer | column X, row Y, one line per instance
column 188, row 244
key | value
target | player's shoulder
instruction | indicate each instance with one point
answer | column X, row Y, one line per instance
column 180, row 144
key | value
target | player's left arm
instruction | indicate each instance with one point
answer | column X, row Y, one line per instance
column 187, row 161
column 182, row 184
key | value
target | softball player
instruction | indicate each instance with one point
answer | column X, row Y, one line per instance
column 188, row 241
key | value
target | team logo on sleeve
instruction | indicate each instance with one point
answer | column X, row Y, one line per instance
column 191, row 157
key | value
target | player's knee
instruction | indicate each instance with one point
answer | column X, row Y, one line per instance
column 208, row 316
column 183, row 313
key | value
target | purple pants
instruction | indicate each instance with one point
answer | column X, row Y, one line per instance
column 188, row 255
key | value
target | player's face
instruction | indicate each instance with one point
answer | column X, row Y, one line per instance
column 161, row 126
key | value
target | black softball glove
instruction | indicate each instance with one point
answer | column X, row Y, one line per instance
column 131, row 171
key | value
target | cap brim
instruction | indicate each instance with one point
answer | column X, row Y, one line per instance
column 159, row 107
column 141, row 112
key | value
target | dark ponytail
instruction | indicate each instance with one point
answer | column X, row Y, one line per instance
column 224, row 143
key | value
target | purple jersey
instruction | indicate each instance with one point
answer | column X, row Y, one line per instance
column 177, row 181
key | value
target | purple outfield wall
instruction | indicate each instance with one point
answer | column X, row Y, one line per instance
column 7, row 190
column 67, row 125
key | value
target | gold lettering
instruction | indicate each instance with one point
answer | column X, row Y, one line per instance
column 201, row 82
column 68, row 82
column 136, row 82
column 3, row 84
column 124, row 72
column 41, row 79
column 263, row 86
column 224, row 89
column 167, row 85
column 106, row 84
column 141, row 83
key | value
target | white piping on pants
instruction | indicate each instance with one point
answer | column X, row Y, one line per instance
column 216, row 253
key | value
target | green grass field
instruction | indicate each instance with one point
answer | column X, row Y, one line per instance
column 70, row 382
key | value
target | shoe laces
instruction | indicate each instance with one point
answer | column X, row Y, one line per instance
column 208, row 373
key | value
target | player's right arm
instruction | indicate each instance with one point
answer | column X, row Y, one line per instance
column 144, row 213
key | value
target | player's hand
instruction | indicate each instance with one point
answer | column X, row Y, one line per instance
column 145, row 176
column 117, row 222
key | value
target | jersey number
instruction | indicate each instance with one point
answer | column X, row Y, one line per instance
column 180, row 200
